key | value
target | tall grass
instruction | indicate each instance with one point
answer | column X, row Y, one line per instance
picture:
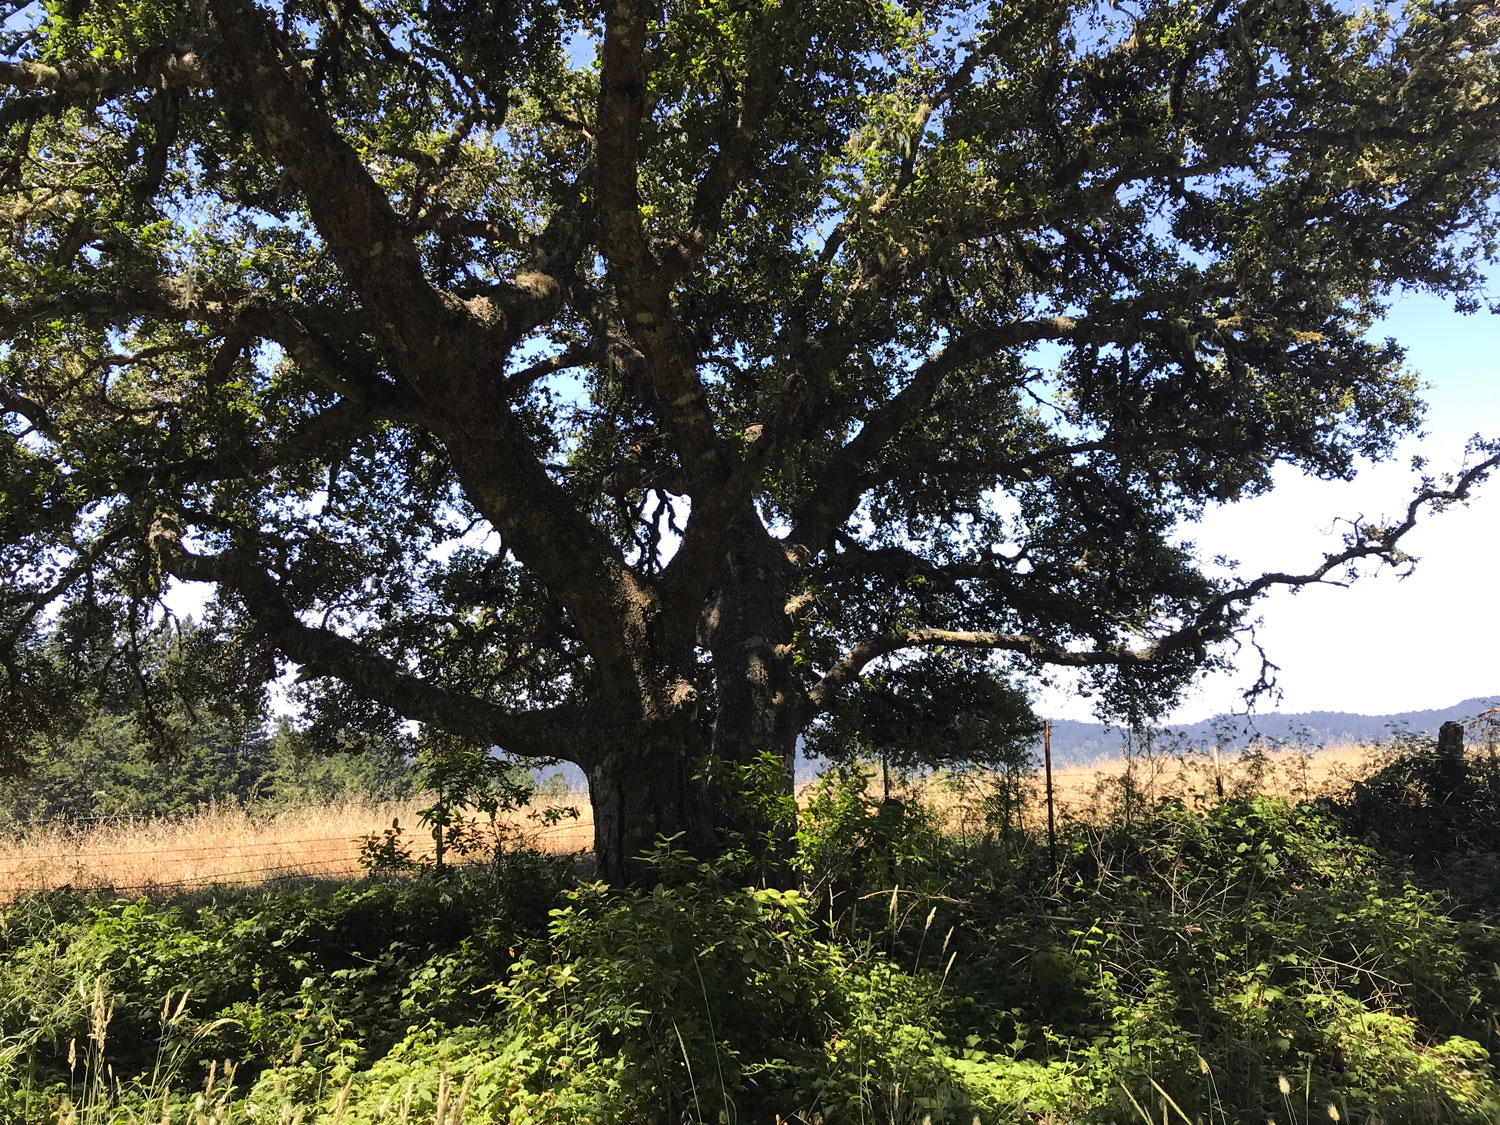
column 237, row 845
column 1289, row 773
column 229, row 844
column 1115, row 783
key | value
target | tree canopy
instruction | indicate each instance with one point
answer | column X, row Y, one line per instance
column 624, row 383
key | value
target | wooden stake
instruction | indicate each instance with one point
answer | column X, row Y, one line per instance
column 1051, row 821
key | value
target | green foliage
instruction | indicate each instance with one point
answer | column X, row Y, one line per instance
column 573, row 377
column 462, row 777
column 150, row 730
column 554, row 787
column 461, row 780
column 850, row 842
column 1260, row 939
column 387, row 851
column 1234, row 962
column 109, row 768
column 688, row 995
column 759, row 812
column 316, row 978
column 1412, row 807
column 934, row 713
column 163, row 735
column 301, row 771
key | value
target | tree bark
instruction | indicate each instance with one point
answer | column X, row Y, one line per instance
column 761, row 703
column 644, row 789
column 671, row 775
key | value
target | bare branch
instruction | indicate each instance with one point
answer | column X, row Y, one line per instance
column 576, row 355
column 442, row 222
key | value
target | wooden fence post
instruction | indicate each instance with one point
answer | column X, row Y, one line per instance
column 1051, row 821
column 1451, row 774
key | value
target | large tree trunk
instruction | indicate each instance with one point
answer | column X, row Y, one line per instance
column 646, row 789
column 760, row 701
column 760, row 704
column 669, row 776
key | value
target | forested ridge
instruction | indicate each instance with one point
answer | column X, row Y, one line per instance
column 1074, row 741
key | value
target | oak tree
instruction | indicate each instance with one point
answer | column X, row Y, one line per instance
column 626, row 382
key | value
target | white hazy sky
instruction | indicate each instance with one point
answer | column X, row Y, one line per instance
column 1384, row 644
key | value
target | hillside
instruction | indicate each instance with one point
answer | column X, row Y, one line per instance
column 1074, row 742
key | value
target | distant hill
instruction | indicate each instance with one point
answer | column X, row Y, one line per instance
column 1075, row 742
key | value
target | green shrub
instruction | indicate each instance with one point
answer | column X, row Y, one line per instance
column 1256, row 940
column 1240, row 962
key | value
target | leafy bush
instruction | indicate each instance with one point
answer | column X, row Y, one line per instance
column 326, row 974
column 1404, row 807
column 1256, row 940
column 1238, row 962
column 848, row 843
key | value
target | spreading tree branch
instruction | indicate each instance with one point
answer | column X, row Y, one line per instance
column 639, row 280
column 1213, row 623
column 540, row 732
column 846, row 479
column 46, row 88
column 365, row 236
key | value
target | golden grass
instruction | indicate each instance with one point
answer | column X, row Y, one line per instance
column 1096, row 789
column 1291, row 774
column 225, row 845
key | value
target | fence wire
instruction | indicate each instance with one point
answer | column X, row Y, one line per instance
column 319, row 856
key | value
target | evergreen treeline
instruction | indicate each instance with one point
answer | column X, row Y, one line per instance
column 149, row 731
column 111, row 768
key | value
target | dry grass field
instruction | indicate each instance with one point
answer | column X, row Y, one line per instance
column 1098, row 788
column 223, row 845
column 227, row 845
column 1291, row 774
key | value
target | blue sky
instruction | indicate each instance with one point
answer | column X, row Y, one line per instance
column 1384, row 644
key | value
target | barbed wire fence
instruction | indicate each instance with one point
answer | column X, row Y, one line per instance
column 230, row 863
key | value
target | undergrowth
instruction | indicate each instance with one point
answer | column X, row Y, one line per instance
column 1231, row 961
